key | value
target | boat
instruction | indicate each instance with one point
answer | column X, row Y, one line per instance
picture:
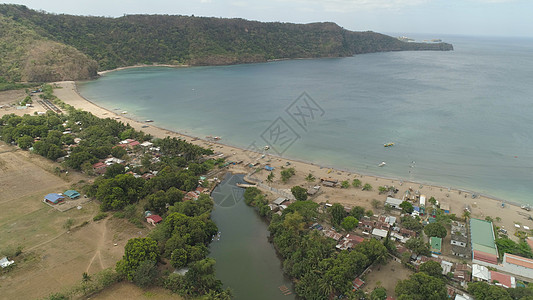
column 266, row 147
column 382, row 164
column 124, row 112
column 148, row 121
column 388, row 145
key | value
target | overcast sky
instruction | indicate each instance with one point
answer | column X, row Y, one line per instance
column 468, row 17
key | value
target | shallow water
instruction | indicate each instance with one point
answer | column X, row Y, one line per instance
column 460, row 119
column 246, row 261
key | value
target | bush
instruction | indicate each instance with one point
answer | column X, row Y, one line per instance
column 100, row 216
column 119, row 214
column 367, row 187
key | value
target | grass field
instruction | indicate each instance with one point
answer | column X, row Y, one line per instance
column 52, row 257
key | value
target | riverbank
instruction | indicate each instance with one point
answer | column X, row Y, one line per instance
column 481, row 206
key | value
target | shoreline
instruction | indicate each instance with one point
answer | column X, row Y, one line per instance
column 101, row 73
column 481, row 206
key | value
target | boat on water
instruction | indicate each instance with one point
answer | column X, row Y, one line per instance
column 388, row 145
column 148, row 121
column 381, row 164
column 124, row 112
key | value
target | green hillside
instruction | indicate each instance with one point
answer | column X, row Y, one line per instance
column 147, row 39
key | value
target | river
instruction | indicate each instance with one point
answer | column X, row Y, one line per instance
column 246, row 261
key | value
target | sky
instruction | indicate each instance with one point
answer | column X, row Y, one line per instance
column 433, row 17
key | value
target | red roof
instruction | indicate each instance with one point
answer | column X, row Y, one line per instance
column 99, row 165
column 155, row 218
column 358, row 283
column 133, row 144
column 486, row 257
column 530, row 242
column 519, row 261
column 121, row 145
column 503, row 279
column 355, row 238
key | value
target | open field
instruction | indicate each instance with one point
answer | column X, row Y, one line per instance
column 386, row 276
column 52, row 258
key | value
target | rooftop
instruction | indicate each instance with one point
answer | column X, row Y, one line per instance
column 435, row 242
column 503, row 279
column 518, row 260
column 482, row 236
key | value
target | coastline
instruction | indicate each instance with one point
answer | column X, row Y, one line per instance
column 457, row 199
column 100, row 73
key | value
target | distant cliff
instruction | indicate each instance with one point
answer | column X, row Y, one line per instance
column 164, row 39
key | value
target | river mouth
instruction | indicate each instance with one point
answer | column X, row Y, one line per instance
column 246, row 262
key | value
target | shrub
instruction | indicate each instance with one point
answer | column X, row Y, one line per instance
column 100, row 216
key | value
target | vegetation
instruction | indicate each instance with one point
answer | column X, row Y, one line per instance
column 407, row 207
column 299, row 193
column 436, row 229
column 68, row 46
column 287, row 174
column 367, row 187
column 254, row 197
column 345, row 184
column 100, row 216
column 349, row 223
column 421, row 286
column 418, row 246
column 506, row 245
column 356, row 183
column 310, row 178
column 337, row 214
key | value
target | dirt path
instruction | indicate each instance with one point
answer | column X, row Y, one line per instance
column 102, row 227
column 45, row 242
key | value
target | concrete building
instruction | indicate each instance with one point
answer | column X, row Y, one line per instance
column 484, row 250
column 393, row 202
column 518, row 265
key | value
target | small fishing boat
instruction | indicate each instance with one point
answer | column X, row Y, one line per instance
column 124, row 112
column 382, row 164
column 388, row 145
column 148, row 121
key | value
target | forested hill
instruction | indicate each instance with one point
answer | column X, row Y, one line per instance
column 164, row 39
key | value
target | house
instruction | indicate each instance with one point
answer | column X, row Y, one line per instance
column 99, row 168
column 459, row 228
column 313, row 190
column 367, row 225
column 349, row 242
column 459, row 240
column 480, row 273
column 393, row 202
column 154, row 219
column 463, row 297
column 190, row 196
column 446, row 267
column 4, row 262
column 147, row 144
column 358, row 283
column 461, row 251
column 72, row 194
column 518, row 265
column 422, row 201
column 407, row 233
column 280, row 201
column 484, row 250
column 504, row 280
column 332, row 234
column 379, row 233
column 54, row 198
column 435, row 244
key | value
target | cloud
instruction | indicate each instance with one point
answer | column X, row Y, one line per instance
column 361, row 5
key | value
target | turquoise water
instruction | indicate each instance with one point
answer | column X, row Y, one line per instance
column 463, row 117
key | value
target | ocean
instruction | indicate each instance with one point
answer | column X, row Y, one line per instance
column 459, row 119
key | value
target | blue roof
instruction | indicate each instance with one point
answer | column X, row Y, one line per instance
column 269, row 168
column 53, row 197
column 72, row 193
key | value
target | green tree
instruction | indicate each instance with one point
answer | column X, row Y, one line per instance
column 375, row 203
column 114, row 170
column 435, row 229
column 432, row 268
column 25, row 142
column 337, row 213
column 356, row 183
column 382, row 189
column 379, row 293
column 345, row 184
column 484, row 291
column 287, row 174
column 367, row 187
column 270, row 177
column 299, row 193
column 137, row 251
column 421, row 286
column 357, row 212
column 310, row 178
column 432, row 200
column 418, row 246
column 145, row 274
column 369, row 213
column 349, row 223
column 407, row 207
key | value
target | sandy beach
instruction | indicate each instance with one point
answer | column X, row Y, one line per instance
column 481, row 206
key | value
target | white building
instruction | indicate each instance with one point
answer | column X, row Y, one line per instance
column 480, row 273
column 393, row 202
column 379, row 233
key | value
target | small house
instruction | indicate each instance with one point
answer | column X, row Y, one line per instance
column 72, row 194
column 393, row 202
column 54, row 198
column 358, row 283
column 480, row 273
column 4, row 262
column 379, row 233
column 269, row 168
column 435, row 244
column 154, row 219
column 280, row 201
column 459, row 239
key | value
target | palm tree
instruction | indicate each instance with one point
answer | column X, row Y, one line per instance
column 310, row 178
column 466, row 215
